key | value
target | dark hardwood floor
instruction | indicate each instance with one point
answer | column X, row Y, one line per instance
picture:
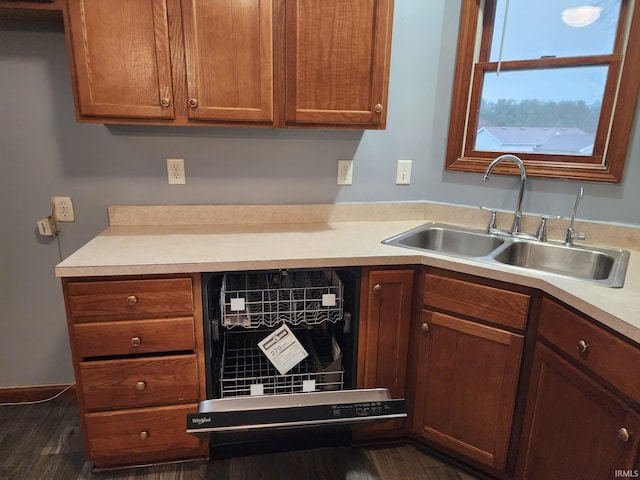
column 43, row 442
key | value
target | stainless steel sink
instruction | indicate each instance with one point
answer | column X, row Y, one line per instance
column 447, row 239
column 587, row 263
column 602, row 266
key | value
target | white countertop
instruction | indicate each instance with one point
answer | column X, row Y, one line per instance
column 135, row 250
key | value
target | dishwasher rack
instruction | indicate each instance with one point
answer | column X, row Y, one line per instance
column 246, row 371
column 252, row 300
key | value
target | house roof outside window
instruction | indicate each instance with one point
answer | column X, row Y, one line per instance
column 534, row 139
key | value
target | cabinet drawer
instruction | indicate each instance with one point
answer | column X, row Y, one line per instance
column 112, row 384
column 130, row 297
column 133, row 336
column 611, row 358
column 491, row 304
column 146, row 434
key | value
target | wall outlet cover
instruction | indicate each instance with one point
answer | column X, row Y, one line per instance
column 345, row 172
column 63, row 209
column 175, row 171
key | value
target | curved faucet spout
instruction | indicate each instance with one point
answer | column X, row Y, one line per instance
column 515, row 228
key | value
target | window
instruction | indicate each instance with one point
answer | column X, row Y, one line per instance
column 553, row 81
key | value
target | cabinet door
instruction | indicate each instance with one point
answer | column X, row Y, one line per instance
column 337, row 59
column 572, row 426
column 466, row 386
column 121, row 56
column 383, row 339
column 229, row 56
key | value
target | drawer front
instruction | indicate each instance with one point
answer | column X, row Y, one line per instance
column 502, row 307
column 133, row 337
column 113, row 384
column 142, row 435
column 130, row 297
column 611, row 358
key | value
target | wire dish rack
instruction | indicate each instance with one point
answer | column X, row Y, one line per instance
column 251, row 300
column 246, row 370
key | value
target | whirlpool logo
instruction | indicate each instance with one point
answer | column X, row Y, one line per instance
column 200, row 420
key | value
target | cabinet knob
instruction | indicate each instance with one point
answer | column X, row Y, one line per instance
column 193, row 102
column 165, row 102
column 582, row 346
column 378, row 108
column 425, row 327
column 141, row 385
column 132, row 300
column 135, row 342
column 623, row 434
column 144, row 435
column 377, row 288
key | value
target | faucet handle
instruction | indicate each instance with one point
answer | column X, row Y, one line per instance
column 492, row 226
column 571, row 236
column 492, row 219
column 541, row 233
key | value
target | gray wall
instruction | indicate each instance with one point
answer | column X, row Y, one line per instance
column 44, row 152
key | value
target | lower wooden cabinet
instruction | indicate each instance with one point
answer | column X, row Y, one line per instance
column 453, row 345
column 139, row 382
column 138, row 353
column 466, row 360
column 574, row 428
column 141, row 435
column 582, row 418
column 466, row 386
column 383, row 339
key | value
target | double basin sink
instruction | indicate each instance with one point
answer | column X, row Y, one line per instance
column 602, row 266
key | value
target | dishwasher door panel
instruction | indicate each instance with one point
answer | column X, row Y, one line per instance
column 343, row 407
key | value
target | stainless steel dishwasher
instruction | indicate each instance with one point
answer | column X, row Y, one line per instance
column 281, row 349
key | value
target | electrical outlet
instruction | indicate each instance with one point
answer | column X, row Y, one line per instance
column 47, row 227
column 403, row 172
column 175, row 171
column 63, row 209
column 345, row 172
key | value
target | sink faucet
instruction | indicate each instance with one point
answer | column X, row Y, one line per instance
column 515, row 227
column 571, row 234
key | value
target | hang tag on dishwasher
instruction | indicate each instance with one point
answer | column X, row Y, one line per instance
column 283, row 349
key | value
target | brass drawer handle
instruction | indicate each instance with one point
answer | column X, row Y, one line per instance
column 425, row 327
column 377, row 288
column 623, row 434
column 132, row 300
column 135, row 342
column 144, row 435
column 193, row 102
column 378, row 108
column 141, row 386
column 582, row 346
column 165, row 102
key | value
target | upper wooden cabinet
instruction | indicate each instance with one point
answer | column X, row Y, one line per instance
column 121, row 58
column 257, row 62
column 337, row 61
column 31, row 12
column 31, row 4
column 229, row 55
